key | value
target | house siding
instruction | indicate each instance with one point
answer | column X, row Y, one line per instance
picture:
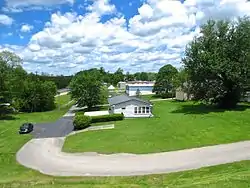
column 129, row 109
column 144, row 90
column 181, row 96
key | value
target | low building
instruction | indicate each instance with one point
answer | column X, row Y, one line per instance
column 246, row 97
column 144, row 87
column 111, row 88
column 131, row 107
column 180, row 95
column 122, row 85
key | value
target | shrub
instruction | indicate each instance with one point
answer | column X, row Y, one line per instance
column 167, row 95
column 81, row 122
column 107, row 118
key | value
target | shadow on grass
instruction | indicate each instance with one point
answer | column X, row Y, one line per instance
column 205, row 109
column 8, row 117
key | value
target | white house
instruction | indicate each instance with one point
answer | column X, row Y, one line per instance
column 130, row 106
column 122, row 85
column 145, row 87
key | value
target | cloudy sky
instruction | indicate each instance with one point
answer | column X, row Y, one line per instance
column 65, row 36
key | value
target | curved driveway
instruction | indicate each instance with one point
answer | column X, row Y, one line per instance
column 44, row 155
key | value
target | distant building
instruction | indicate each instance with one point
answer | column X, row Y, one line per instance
column 180, row 95
column 122, row 85
column 130, row 106
column 111, row 88
column 246, row 97
column 145, row 87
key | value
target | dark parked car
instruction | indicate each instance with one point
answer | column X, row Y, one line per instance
column 26, row 128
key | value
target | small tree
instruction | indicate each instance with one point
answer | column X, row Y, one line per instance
column 218, row 62
column 138, row 93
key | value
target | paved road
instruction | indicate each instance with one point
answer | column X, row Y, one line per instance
column 45, row 155
column 60, row 128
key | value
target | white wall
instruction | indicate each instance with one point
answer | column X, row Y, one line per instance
column 180, row 95
column 96, row 113
column 133, row 93
column 129, row 109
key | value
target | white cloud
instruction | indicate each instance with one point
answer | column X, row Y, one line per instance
column 26, row 28
column 146, row 11
column 102, row 7
column 153, row 38
column 5, row 20
column 19, row 5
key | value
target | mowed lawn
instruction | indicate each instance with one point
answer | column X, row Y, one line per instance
column 11, row 142
column 14, row 175
column 62, row 99
column 176, row 125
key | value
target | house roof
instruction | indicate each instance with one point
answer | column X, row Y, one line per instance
column 111, row 87
column 124, row 98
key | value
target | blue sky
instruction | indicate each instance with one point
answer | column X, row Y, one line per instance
column 65, row 36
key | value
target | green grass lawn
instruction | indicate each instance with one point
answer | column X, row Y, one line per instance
column 62, row 100
column 13, row 175
column 103, row 123
column 150, row 97
column 176, row 125
column 11, row 142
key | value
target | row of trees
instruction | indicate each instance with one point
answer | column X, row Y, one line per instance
column 61, row 81
column 25, row 92
column 216, row 65
column 118, row 75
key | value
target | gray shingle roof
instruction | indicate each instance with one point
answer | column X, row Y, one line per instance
column 124, row 98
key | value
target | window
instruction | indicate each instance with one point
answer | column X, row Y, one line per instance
column 124, row 108
column 139, row 111
column 143, row 109
column 147, row 110
column 135, row 110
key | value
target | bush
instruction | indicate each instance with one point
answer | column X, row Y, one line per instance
column 167, row 95
column 107, row 118
column 5, row 111
column 81, row 122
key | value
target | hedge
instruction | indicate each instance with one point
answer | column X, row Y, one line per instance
column 81, row 122
column 106, row 118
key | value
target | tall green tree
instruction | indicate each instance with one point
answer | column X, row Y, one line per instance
column 165, row 80
column 36, row 96
column 24, row 92
column 181, row 78
column 117, row 76
column 11, row 76
column 87, row 89
column 218, row 62
column 129, row 77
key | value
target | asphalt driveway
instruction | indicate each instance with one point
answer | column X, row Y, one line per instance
column 60, row 128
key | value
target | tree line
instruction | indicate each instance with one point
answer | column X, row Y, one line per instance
column 119, row 75
column 25, row 92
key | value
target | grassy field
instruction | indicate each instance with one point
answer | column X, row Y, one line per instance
column 14, row 175
column 11, row 142
column 150, row 97
column 62, row 99
column 176, row 125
